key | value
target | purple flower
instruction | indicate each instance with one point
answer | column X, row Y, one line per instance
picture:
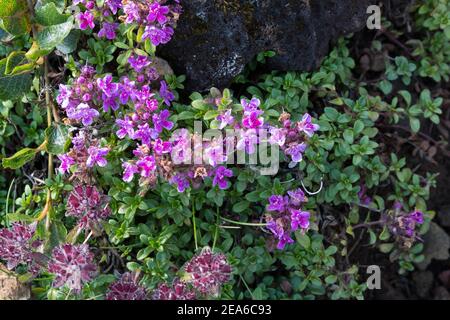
column 363, row 197
column 214, row 152
column 147, row 165
column 108, row 87
column 162, row 147
column 158, row 13
column 86, row 20
column 296, row 151
column 109, row 102
column 208, row 271
column 126, row 288
column 139, row 62
column 160, row 121
column 417, row 216
column 250, row 106
column 283, row 240
column 252, row 120
column 307, row 126
column 113, row 5
column 108, row 30
column 66, row 163
column 296, row 196
column 16, row 246
column 220, row 177
column 84, row 113
column 178, row 291
column 145, row 134
column 64, row 95
column 277, row 203
column 248, row 141
column 277, row 136
column 131, row 10
column 299, row 219
column 97, row 156
column 165, row 93
column 126, row 90
column 225, row 119
column 157, row 36
column 72, row 265
column 79, row 141
column 181, row 181
column 130, row 170
column 126, row 127
column 88, row 205
column 276, row 227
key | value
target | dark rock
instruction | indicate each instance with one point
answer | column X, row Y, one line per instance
column 440, row 293
column 424, row 282
column 444, row 216
column 215, row 39
column 436, row 246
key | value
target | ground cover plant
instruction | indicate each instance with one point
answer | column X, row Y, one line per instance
column 110, row 189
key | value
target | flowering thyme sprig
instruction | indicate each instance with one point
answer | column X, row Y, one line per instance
column 287, row 216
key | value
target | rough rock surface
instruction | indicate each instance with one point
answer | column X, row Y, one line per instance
column 436, row 246
column 215, row 39
column 11, row 288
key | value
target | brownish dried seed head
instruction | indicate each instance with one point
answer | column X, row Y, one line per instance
column 200, row 172
column 284, row 116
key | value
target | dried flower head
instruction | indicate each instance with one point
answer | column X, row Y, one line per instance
column 72, row 265
column 126, row 288
column 208, row 271
column 16, row 246
column 88, row 205
column 178, row 291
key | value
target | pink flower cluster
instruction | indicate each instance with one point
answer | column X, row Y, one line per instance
column 126, row 288
column 292, row 137
column 208, row 271
column 179, row 290
column 404, row 226
column 88, row 205
column 287, row 216
column 157, row 19
column 17, row 246
column 73, row 265
column 84, row 154
column 205, row 274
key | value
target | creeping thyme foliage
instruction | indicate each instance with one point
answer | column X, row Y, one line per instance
column 264, row 192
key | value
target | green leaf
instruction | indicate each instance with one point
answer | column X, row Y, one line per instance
column 13, row 86
column 348, row 136
column 51, row 36
column 69, row 44
column 185, row 115
column 19, row 158
column 415, row 124
column 49, row 15
column 303, row 239
column 240, row 206
column 56, row 136
column 14, row 17
column 211, row 114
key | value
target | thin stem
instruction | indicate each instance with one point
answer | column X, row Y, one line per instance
column 87, row 238
column 216, row 234
column 7, row 202
column 194, row 224
column 247, row 287
column 368, row 224
column 50, row 156
column 245, row 223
